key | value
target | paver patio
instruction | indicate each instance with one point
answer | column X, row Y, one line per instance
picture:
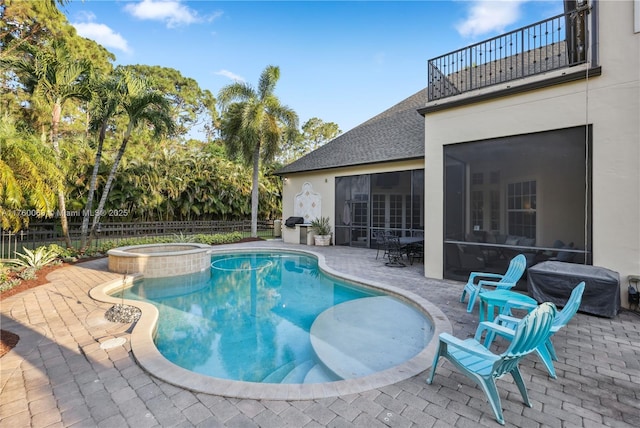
column 59, row 376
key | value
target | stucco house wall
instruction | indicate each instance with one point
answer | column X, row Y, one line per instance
column 323, row 182
column 609, row 102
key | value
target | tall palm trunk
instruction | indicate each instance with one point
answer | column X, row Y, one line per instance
column 84, row 241
column 255, row 191
column 107, row 187
column 62, row 205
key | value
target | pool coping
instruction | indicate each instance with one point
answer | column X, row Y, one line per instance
column 151, row 360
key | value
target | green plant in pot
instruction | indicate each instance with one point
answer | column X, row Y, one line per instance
column 322, row 228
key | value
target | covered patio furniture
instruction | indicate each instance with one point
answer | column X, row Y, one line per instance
column 517, row 265
column 483, row 366
column 553, row 281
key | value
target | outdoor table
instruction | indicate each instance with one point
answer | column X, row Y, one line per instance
column 410, row 240
column 499, row 299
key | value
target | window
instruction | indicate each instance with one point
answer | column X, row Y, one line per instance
column 495, row 210
column 477, row 209
column 477, row 178
column 378, row 211
column 521, row 208
column 395, row 211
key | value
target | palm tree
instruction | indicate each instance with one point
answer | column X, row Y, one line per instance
column 142, row 106
column 254, row 125
column 104, row 105
column 27, row 177
column 53, row 77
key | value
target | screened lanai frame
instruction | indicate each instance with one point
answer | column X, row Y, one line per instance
column 389, row 201
column 528, row 194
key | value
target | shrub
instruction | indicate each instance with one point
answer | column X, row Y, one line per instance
column 181, row 237
column 321, row 226
column 9, row 283
column 27, row 273
column 210, row 239
column 37, row 259
column 64, row 253
column 219, row 238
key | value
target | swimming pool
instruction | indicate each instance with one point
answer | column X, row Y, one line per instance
column 341, row 309
column 251, row 320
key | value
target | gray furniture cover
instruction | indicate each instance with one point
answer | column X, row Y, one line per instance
column 553, row 282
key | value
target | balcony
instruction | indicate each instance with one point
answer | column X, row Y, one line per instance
column 552, row 44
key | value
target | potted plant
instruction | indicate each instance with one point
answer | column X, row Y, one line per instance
column 321, row 227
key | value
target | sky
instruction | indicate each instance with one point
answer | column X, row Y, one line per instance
column 340, row 61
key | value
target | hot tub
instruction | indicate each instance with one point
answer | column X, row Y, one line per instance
column 160, row 260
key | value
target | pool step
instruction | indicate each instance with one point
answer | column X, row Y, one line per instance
column 280, row 373
column 299, row 372
column 306, row 372
column 320, row 374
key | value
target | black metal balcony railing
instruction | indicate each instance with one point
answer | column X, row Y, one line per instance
column 547, row 45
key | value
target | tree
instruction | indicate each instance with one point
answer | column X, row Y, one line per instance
column 189, row 103
column 254, row 125
column 29, row 21
column 104, row 106
column 143, row 107
column 52, row 76
column 27, row 177
column 315, row 133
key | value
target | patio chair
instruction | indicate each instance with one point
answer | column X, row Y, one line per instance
column 415, row 251
column 545, row 350
column 395, row 251
column 505, row 281
column 461, row 263
column 380, row 238
column 484, row 367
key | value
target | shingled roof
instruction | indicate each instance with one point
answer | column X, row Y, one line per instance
column 393, row 135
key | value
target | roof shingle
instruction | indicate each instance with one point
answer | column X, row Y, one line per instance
column 395, row 134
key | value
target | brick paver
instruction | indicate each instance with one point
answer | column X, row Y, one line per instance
column 58, row 375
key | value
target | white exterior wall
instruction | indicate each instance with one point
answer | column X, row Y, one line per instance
column 610, row 102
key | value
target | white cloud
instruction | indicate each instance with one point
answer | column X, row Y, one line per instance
column 486, row 16
column 172, row 12
column 215, row 15
column 103, row 35
column 230, row 75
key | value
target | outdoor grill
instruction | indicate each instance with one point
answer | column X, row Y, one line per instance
column 292, row 221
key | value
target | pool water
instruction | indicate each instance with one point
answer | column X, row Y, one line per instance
column 249, row 319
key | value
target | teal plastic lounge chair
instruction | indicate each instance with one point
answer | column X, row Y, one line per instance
column 517, row 265
column 484, row 367
column 545, row 350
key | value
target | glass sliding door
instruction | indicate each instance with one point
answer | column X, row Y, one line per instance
column 391, row 196
column 386, row 201
column 352, row 210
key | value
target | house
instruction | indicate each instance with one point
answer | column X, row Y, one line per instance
column 531, row 143
column 369, row 178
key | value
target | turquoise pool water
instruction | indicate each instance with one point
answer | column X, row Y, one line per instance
column 250, row 318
